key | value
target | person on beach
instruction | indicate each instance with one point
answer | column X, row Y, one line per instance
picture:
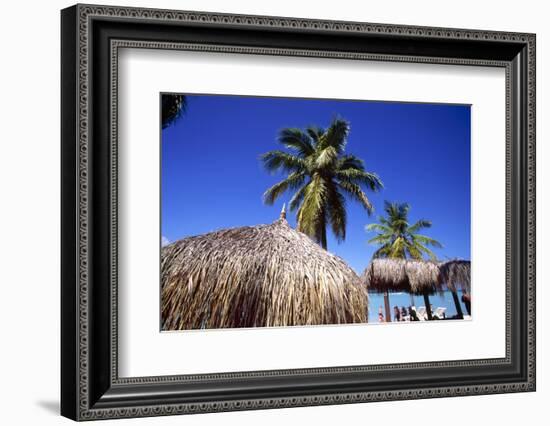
column 412, row 314
column 396, row 314
column 380, row 315
column 403, row 313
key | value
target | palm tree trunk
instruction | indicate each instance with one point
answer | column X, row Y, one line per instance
column 459, row 312
column 428, row 306
column 412, row 299
column 387, row 306
column 321, row 231
column 324, row 237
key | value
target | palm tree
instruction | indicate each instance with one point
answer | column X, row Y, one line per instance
column 320, row 174
column 173, row 106
column 399, row 240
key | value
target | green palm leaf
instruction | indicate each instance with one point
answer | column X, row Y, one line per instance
column 297, row 198
column 335, row 136
column 421, row 224
column 381, row 240
column 422, row 239
column 337, row 214
column 370, row 180
column 280, row 160
column 380, row 227
column 346, row 162
column 296, row 140
column 357, row 194
column 293, row 181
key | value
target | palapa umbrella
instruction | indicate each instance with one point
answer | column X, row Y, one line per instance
column 456, row 274
column 396, row 275
column 257, row 276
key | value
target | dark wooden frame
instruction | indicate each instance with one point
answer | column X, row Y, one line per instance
column 91, row 37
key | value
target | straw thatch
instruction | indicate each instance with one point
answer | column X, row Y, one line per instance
column 257, row 276
column 416, row 276
column 456, row 274
column 396, row 275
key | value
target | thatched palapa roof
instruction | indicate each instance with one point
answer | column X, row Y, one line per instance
column 395, row 275
column 416, row 276
column 456, row 274
column 257, row 276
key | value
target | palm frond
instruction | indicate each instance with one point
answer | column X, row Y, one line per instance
column 397, row 248
column 337, row 213
column 378, row 227
column 381, row 239
column 315, row 132
column 381, row 252
column 414, row 251
column 356, row 193
column 293, row 181
column 350, row 162
column 427, row 240
column 420, row 224
column 296, row 140
column 336, row 135
column 276, row 160
column 396, row 209
column 399, row 223
column 311, row 212
column 370, row 180
column 297, row 198
column 426, row 250
column 173, row 107
column 326, row 158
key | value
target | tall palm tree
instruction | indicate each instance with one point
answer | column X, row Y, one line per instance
column 320, row 174
column 173, row 106
column 399, row 240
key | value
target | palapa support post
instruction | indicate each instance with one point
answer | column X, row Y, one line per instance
column 428, row 306
column 459, row 312
column 387, row 306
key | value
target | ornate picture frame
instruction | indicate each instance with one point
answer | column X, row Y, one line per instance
column 91, row 37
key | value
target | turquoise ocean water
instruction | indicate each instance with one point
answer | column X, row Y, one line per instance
column 376, row 300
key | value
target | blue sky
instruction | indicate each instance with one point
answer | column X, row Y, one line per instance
column 212, row 178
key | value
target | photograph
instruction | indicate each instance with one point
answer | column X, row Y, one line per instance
column 281, row 212
column 263, row 208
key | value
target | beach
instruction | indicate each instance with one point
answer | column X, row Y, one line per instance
column 444, row 300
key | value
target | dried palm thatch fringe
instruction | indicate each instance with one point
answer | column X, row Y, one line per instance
column 413, row 276
column 257, row 276
column 456, row 274
column 416, row 276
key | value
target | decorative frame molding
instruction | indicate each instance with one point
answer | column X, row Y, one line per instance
column 91, row 37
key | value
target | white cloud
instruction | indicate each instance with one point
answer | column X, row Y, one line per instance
column 164, row 241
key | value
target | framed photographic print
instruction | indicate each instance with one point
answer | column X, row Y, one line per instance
column 263, row 212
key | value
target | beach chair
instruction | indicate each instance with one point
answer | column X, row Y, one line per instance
column 440, row 313
column 421, row 313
